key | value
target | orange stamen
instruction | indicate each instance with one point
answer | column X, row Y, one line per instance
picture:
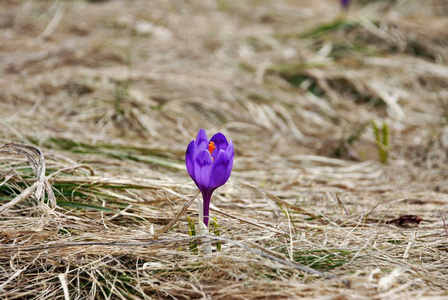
column 211, row 147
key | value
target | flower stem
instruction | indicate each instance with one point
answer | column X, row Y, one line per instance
column 200, row 209
column 204, row 215
column 206, row 211
column 206, row 244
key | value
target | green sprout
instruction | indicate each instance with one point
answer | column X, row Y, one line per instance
column 382, row 144
column 192, row 232
column 216, row 231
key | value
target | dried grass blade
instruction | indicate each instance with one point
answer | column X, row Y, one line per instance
column 279, row 201
column 178, row 216
column 37, row 161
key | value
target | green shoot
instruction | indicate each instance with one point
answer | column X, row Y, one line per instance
column 216, row 231
column 192, row 232
column 382, row 141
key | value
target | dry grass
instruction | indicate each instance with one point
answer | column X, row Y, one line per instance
column 112, row 92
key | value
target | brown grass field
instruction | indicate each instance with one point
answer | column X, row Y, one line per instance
column 340, row 126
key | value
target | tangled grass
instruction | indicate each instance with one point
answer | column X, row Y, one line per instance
column 99, row 100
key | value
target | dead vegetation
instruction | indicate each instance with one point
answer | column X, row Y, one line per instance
column 111, row 92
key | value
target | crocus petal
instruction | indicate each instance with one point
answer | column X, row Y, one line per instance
column 229, row 150
column 201, row 140
column 230, row 154
column 190, row 157
column 202, row 169
column 220, row 142
column 220, row 171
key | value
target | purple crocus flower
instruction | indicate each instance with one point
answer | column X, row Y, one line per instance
column 209, row 164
